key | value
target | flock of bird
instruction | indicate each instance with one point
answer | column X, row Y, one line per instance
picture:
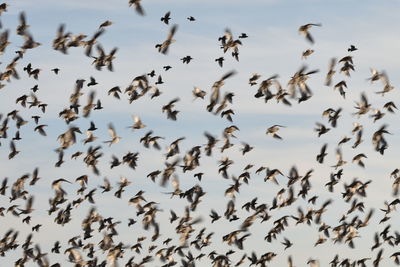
column 194, row 243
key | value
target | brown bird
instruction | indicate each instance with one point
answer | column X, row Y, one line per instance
column 331, row 72
column 304, row 31
column 114, row 138
column 138, row 123
column 321, row 129
column 273, row 130
column 215, row 94
column 363, row 106
column 3, row 8
column 92, row 41
column 22, row 27
column 106, row 186
column 390, row 106
column 115, row 91
column 307, row 53
column 198, row 93
column 171, row 114
column 138, row 6
column 163, row 48
column 40, row 129
column 35, row 176
column 105, row 24
column 246, row 148
column 339, row 157
column 13, row 151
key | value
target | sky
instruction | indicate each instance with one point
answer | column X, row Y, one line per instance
column 274, row 46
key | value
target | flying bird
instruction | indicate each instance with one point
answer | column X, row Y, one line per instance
column 105, row 24
column 114, row 138
column 273, row 131
column 304, row 30
column 166, row 18
column 138, row 7
column 322, row 154
column 164, row 46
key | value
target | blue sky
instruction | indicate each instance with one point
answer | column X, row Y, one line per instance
column 274, row 46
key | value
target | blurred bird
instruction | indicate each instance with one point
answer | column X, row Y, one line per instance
column 304, row 31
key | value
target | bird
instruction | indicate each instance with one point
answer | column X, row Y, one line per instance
column 138, row 7
column 215, row 94
column 22, row 27
column 13, row 150
column 198, row 93
column 4, row 186
column 246, row 148
column 114, row 138
column 107, row 186
column 56, row 185
column 214, row 216
column 304, row 30
column 166, row 18
column 186, row 59
column 352, row 48
column 220, row 61
column 166, row 68
column 339, row 157
column 35, row 88
column 270, row 175
column 105, row 24
column 254, row 78
column 98, row 105
column 159, row 80
column 40, row 129
column 60, row 158
column 273, row 130
column 35, row 176
column 390, row 106
column 115, row 91
column 164, row 46
column 378, row 258
column 90, row 137
column 307, row 53
column 92, row 41
column 3, row 8
column 168, row 108
column 344, row 140
column 322, row 154
column 92, row 127
column 138, row 123
column 321, row 129
column 92, row 81
column 55, row 70
column 287, row 243
column 331, row 72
